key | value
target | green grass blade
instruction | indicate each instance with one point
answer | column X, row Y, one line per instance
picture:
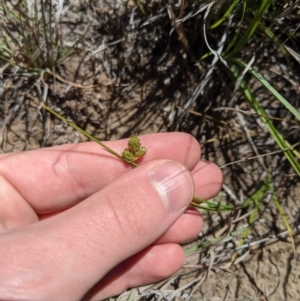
column 71, row 49
column 283, row 216
column 237, row 33
column 256, row 200
column 139, row 5
column 252, row 27
column 210, row 206
column 225, row 16
column 262, row 114
column 216, row 206
column 271, row 89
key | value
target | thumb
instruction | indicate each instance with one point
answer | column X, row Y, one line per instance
column 141, row 205
column 93, row 237
column 135, row 210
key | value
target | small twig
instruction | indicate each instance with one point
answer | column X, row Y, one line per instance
column 263, row 155
column 250, row 114
column 244, row 126
column 68, row 82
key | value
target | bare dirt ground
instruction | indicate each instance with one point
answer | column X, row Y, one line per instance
column 141, row 76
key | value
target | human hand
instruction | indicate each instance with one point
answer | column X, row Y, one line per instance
column 77, row 223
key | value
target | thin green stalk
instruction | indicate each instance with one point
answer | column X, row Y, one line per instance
column 263, row 115
column 283, row 216
column 135, row 150
column 256, row 200
column 139, row 5
column 77, row 128
column 227, row 13
column 252, row 27
column 270, row 88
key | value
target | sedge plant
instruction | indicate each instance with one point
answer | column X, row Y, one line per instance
column 134, row 151
column 30, row 40
column 30, row 36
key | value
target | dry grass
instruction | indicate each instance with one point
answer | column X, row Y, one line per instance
column 117, row 68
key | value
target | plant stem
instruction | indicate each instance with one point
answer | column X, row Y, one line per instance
column 73, row 125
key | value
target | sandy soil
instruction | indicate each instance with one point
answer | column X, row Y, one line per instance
column 141, row 74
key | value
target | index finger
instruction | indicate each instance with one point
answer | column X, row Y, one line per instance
column 56, row 178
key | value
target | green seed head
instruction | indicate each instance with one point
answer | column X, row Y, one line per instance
column 128, row 156
column 141, row 152
column 134, row 144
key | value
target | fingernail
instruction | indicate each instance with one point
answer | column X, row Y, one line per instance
column 174, row 184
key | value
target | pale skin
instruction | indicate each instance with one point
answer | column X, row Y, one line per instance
column 77, row 223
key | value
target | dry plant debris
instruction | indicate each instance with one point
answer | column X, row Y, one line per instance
column 121, row 67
